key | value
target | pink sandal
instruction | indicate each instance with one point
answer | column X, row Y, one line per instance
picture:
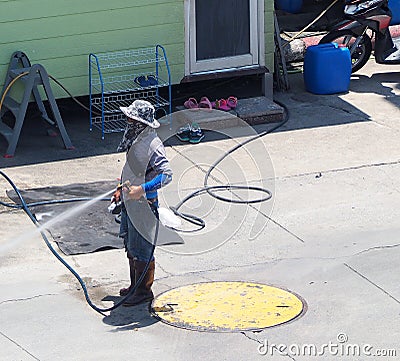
column 232, row 102
column 221, row 104
column 205, row 103
column 191, row 103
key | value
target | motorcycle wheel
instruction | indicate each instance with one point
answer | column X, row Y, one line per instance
column 360, row 55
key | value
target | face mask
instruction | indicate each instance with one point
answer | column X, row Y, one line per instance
column 132, row 130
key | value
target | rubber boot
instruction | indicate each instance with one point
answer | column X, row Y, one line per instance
column 143, row 293
column 132, row 273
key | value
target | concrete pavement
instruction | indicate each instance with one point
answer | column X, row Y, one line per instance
column 331, row 234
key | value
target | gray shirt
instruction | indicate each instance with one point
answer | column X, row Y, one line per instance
column 145, row 160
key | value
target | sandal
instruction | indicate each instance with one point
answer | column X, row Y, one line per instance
column 152, row 80
column 205, row 103
column 232, row 102
column 221, row 104
column 141, row 81
column 191, row 103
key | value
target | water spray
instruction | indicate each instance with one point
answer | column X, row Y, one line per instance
column 40, row 228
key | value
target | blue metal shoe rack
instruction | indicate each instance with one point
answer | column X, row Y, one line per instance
column 115, row 80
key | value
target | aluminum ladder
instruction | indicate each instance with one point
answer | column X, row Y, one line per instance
column 35, row 75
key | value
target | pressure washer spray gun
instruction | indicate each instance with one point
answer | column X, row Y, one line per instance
column 166, row 216
column 116, row 200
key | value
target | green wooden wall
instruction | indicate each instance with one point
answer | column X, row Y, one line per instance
column 60, row 34
column 269, row 34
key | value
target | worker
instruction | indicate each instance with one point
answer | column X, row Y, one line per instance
column 146, row 170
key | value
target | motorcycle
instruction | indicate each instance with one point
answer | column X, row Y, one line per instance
column 363, row 21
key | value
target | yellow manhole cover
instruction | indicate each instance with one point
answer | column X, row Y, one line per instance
column 227, row 306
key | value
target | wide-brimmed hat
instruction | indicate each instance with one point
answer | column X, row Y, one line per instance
column 142, row 111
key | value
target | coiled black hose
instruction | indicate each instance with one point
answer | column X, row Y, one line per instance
column 211, row 190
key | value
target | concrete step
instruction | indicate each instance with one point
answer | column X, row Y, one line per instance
column 257, row 110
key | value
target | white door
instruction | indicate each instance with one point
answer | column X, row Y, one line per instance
column 223, row 34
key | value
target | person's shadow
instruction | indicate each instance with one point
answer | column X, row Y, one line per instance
column 129, row 318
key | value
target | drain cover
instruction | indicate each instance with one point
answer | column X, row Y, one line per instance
column 227, row 306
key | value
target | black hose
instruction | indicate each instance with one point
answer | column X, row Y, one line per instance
column 190, row 218
column 212, row 189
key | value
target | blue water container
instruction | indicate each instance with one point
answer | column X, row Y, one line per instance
column 290, row 6
column 394, row 6
column 327, row 69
